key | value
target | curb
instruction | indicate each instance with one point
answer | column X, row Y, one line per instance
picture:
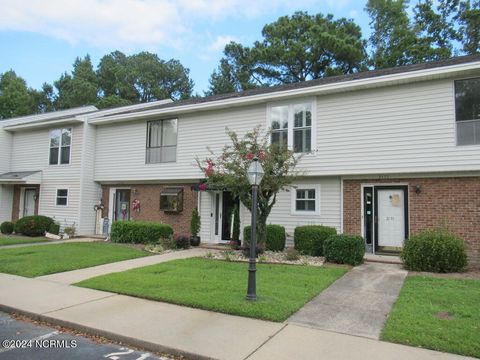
column 141, row 344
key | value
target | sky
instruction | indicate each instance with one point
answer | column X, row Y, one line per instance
column 40, row 39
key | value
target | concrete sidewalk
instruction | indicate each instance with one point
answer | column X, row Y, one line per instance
column 74, row 276
column 356, row 304
column 179, row 330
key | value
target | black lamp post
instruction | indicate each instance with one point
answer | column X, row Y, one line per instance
column 255, row 175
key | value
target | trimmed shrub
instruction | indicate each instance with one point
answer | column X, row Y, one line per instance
column 182, row 242
column 436, row 251
column 54, row 229
column 7, row 227
column 309, row 239
column 139, row 232
column 345, row 249
column 36, row 225
column 292, row 255
column 195, row 222
column 275, row 237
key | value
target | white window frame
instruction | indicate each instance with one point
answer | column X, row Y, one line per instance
column 147, row 147
column 67, row 197
column 313, row 103
column 455, row 112
column 60, row 146
column 293, row 192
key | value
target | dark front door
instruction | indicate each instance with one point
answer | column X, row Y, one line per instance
column 228, row 205
column 122, row 205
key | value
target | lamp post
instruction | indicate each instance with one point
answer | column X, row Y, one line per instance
column 255, row 175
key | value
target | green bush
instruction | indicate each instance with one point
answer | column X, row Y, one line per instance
column 275, row 237
column 345, row 249
column 436, row 251
column 54, row 229
column 36, row 225
column 7, row 227
column 139, row 232
column 195, row 222
column 309, row 239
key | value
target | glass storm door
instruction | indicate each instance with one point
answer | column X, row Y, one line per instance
column 217, row 215
column 122, row 205
column 29, row 202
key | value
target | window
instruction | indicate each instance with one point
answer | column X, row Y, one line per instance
column 467, row 111
column 171, row 199
column 161, row 141
column 305, row 199
column 60, row 143
column 291, row 125
column 62, row 197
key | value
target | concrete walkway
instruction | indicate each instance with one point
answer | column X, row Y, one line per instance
column 356, row 304
column 74, row 276
column 196, row 334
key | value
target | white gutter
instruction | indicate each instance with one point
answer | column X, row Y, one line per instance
column 42, row 124
column 348, row 85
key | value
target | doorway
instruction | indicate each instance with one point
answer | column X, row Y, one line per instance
column 29, row 200
column 122, row 205
column 385, row 218
column 223, row 207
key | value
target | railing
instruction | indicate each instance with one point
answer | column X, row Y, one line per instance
column 468, row 132
column 161, row 154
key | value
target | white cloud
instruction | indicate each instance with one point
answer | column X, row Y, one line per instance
column 353, row 14
column 220, row 41
column 127, row 23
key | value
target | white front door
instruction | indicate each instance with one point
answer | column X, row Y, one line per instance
column 217, row 213
column 29, row 202
column 391, row 217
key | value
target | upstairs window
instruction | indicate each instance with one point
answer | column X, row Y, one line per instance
column 161, row 141
column 291, row 126
column 60, row 143
column 467, row 111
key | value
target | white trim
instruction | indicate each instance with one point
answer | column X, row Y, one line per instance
column 386, row 80
column 293, row 198
column 56, row 195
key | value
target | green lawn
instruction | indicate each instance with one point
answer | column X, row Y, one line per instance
column 31, row 261
column 221, row 286
column 17, row 239
column 439, row 314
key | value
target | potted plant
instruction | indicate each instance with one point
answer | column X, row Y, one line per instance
column 69, row 232
column 195, row 228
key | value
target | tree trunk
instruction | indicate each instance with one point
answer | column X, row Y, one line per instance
column 261, row 227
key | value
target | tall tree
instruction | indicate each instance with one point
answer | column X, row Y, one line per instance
column 392, row 36
column 15, row 98
column 294, row 48
column 115, row 77
column 468, row 17
column 79, row 89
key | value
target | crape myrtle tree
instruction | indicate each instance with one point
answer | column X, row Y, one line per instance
column 228, row 171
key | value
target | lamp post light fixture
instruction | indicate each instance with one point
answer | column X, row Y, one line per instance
column 255, row 175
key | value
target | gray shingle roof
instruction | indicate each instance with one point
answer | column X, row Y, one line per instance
column 17, row 175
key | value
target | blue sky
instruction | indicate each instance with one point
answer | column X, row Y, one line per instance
column 40, row 39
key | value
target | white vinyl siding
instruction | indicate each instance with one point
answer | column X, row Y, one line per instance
column 6, row 202
column 30, row 152
column 120, row 149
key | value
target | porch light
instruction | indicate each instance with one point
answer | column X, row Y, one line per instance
column 255, row 172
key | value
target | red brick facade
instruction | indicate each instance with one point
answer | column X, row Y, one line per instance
column 452, row 202
column 16, row 200
column 149, row 197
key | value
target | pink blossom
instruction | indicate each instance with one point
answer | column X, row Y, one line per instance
column 250, row 156
column 202, row 187
column 262, row 155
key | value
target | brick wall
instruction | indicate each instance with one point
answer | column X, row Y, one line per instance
column 149, row 197
column 16, row 200
column 452, row 202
